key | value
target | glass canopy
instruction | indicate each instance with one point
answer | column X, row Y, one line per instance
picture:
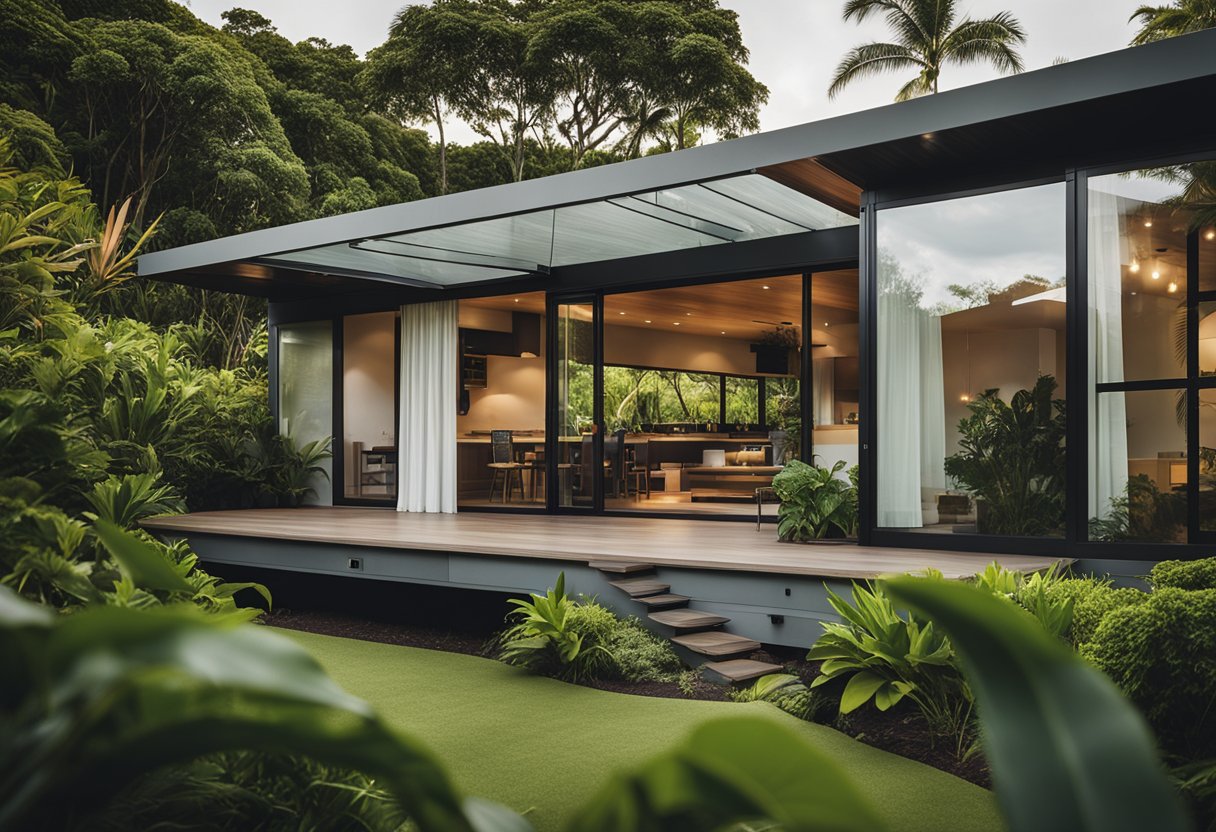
column 746, row 207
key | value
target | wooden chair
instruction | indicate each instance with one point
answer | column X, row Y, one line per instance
column 614, row 462
column 502, row 463
column 534, row 462
column 639, row 472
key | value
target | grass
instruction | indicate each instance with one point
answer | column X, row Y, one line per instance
column 543, row 747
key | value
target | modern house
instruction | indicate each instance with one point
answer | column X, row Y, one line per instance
column 589, row 366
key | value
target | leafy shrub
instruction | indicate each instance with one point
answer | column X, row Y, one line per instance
column 638, row 655
column 1092, row 598
column 1162, row 654
column 1142, row 513
column 887, row 656
column 788, row 693
column 1011, row 459
column 815, row 502
column 544, row 640
column 1184, row 574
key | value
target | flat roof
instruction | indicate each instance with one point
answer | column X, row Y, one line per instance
column 791, row 180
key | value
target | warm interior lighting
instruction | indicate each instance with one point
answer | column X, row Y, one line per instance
column 527, row 354
column 517, row 300
column 1211, row 235
column 763, row 287
column 1148, row 223
column 724, row 332
column 646, row 321
column 825, row 323
column 1156, row 275
column 964, row 398
column 620, row 313
column 675, row 323
column 1173, row 287
column 1134, row 268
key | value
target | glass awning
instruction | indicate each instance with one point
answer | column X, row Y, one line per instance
column 747, row 207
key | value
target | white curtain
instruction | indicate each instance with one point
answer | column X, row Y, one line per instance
column 910, row 410
column 1108, row 411
column 426, row 438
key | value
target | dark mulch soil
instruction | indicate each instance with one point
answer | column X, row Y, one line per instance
column 465, row 621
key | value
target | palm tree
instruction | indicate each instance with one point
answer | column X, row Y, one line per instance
column 1180, row 18
column 926, row 39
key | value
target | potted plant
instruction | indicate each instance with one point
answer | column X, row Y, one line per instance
column 815, row 503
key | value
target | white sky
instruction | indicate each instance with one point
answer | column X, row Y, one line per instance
column 795, row 44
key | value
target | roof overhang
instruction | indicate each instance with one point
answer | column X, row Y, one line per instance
column 785, row 181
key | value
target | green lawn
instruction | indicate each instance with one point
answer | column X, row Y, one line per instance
column 542, row 746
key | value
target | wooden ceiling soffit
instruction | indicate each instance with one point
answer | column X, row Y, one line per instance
column 809, row 177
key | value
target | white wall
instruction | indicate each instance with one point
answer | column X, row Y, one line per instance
column 513, row 400
column 637, row 347
column 368, row 385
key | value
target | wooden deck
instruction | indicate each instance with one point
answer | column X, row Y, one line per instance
column 693, row 544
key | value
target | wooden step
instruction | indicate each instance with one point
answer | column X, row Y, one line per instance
column 618, row 567
column 687, row 619
column 665, row 600
column 716, row 643
column 742, row 670
column 637, row 587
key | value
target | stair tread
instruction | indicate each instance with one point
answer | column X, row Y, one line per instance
column 742, row 670
column 641, row 586
column 686, row 619
column 619, row 567
column 716, row 643
column 667, row 599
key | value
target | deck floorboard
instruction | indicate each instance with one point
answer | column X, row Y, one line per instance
column 694, row 544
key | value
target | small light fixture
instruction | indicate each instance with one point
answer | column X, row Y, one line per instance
column 517, row 300
column 1156, row 275
column 527, row 354
column 1134, row 268
column 964, row 398
column 1148, row 223
column 687, row 314
column 825, row 323
column 620, row 313
column 724, row 332
column 646, row 321
column 675, row 323
column 1211, row 235
column 1133, row 294
column 1173, row 287
column 763, row 287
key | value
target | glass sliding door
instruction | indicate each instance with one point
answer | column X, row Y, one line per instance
column 577, row 447
column 369, row 407
column 970, row 364
column 306, row 393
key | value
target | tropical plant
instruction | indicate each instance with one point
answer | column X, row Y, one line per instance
column 543, row 640
column 126, row 500
column 637, row 654
column 1034, row 593
column 1142, row 513
column 1011, row 459
column 928, row 37
column 98, row 699
column 787, row 692
column 1179, row 18
column 886, row 656
column 814, row 501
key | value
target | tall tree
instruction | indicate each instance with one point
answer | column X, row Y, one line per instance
column 927, row 37
column 423, row 72
column 1179, row 18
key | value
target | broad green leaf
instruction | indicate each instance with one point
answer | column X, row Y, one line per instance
column 1067, row 751
column 729, row 771
column 858, row 691
column 146, row 566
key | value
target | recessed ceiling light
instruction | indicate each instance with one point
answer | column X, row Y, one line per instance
column 1211, row 235
column 517, row 300
column 1133, row 294
column 1156, row 275
column 1148, row 223
column 1173, row 287
column 687, row 314
column 763, row 287
column 675, row 323
column 724, row 332
column 825, row 323
column 620, row 313
column 1134, row 267
column 646, row 321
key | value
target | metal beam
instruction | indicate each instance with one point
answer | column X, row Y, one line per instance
column 337, row 271
column 437, row 254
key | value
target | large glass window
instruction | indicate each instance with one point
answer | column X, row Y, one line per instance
column 971, row 364
column 306, row 392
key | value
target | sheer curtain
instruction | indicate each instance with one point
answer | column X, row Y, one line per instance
column 823, row 391
column 1107, row 411
column 910, row 409
column 427, row 433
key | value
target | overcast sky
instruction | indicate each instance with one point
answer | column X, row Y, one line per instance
column 795, row 44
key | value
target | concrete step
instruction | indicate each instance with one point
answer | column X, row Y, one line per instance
column 638, row 587
column 667, row 599
column 716, row 643
column 618, row 567
column 686, row 619
column 741, row 670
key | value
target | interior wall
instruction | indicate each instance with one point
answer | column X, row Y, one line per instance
column 368, row 383
column 514, row 398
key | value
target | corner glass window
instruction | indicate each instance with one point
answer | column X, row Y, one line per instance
column 971, row 363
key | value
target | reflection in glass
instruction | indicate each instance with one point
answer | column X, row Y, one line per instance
column 1138, row 280
column 576, row 404
column 971, row 361
column 306, row 391
column 1207, row 259
column 369, row 407
column 1207, row 338
column 1138, row 480
column 1207, row 460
